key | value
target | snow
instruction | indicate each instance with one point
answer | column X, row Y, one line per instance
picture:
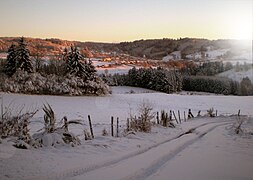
column 210, row 150
column 101, row 63
column 215, row 156
column 238, row 76
column 214, row 54
column 244, row 57
column 210, row 54
column 3, row 55
column 168, row 58
column 196, row 55
column 176, row 55
column 122, row 69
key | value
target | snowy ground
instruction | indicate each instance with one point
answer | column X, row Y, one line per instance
column 211, row 151
column 238, row 76
column 122, row 69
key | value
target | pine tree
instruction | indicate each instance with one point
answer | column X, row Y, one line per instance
column 23, row 56
column 11, row 65
column 74, row 64
column 90, row 69
column 246, row 88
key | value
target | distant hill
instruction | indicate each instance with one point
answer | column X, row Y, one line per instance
column 158, row 48
column 151, row 48
column 52, row 46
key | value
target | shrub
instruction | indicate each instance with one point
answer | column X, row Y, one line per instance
column 210, row 112
column 104, row 132
column 53, row 135
column 142, row 123
column 16, row 127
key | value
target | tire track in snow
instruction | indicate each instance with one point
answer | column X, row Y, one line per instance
column 155, row 166
column 81, row 171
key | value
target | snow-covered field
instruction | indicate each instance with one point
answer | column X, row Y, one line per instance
column 238, row 76
column 122, row 69
column 211, row 150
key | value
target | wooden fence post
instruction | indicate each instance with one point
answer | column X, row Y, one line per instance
column 239, row 112
column 128, row 125
column 170, row 115
column 175, row 116
column 117, row 127
column 190, row 115
column 91, row 130
column 157, row 117
column 112, row 125
column 179, row 116
column 184, row 117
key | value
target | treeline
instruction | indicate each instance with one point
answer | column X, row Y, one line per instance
column 158, row 79
column 207, row 68
column 218, row 85
column 163, row 80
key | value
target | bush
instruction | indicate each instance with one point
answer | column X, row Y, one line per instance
column 53, row 135
column 210, row 112
column 16, row 128
column 142, row 123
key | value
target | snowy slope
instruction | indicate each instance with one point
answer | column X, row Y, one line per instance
column 238, row 76
column 140, row 155
column 214, row 54
column 121, row 103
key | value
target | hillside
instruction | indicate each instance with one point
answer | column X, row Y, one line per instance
column 151, row 48
column 238, row 75
column 52, row 46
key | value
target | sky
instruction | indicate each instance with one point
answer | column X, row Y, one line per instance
column 126, row 20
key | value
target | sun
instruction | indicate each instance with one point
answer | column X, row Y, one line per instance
column 242, row 30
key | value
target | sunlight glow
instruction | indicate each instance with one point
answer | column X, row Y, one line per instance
column 242, row 30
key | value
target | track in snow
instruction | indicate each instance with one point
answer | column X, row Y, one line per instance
column 154, row 167
column 109, row 166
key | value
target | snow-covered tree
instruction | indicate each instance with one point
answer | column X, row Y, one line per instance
column 77, row 65
column 11, row 64
column 246, row 88
column 158, row 79
column 74, row 64
column 80, row 78
column 23, row 56
column 90, row 70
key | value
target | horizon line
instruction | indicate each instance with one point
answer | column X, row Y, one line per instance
column 121, row 41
